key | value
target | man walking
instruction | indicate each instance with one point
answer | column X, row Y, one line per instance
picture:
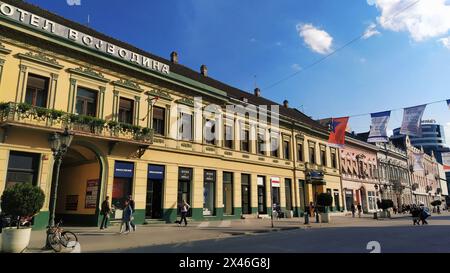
column 353, row 210
column 132, row 205
column 359, row 210
column 126, row 218
column 105, row 211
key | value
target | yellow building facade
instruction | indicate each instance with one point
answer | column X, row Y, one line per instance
column 141, row 128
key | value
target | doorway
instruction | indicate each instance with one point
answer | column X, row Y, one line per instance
column 245, row 182
column 79, row 187
column 154, row 197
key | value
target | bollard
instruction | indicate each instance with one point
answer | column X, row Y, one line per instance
column 317, row 218
column 375, row 215
column 306, row 218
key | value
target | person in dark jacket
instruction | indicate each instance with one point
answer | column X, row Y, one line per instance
column 353, row 209
column 359, row 210
column 105, row 211
column 126, row 217
column 132, row 205
column 184, row 208
column 415, row 213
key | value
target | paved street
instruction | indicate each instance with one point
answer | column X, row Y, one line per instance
column 344, row 234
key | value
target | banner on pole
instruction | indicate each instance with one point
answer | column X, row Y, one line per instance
column 418, row 162
column 412, row 118
column 378, row 130
column 337, row 134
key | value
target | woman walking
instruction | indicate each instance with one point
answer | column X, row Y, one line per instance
column 126, row 218
column 184, row 207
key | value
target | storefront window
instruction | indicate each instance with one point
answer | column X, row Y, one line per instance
column 22, row 168
column 184, row 187
column 245, row 187
column 122, row 184
column 372, row 200
column 228, row 193
column 209, row 192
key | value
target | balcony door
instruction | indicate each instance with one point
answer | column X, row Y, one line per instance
column 37, row 90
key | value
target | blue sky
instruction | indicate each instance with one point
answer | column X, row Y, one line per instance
column 405, row 63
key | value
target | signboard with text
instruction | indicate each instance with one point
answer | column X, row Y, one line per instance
column 91, row 193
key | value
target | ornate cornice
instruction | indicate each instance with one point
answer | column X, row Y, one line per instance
column 89, row 72
column 129, row 85
column 186, row 101
column 159, row 93
column 40, row 58
column 4, row 50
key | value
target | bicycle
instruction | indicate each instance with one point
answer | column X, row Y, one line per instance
column 59, row 238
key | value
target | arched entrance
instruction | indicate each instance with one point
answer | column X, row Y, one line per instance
column 80, row 185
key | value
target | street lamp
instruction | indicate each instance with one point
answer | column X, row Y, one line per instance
column 59, row 144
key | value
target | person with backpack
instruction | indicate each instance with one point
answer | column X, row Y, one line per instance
column 424, row 214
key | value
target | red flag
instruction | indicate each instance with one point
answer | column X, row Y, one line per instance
column 337, row 134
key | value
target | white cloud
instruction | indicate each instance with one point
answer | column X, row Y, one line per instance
column 296, row 67
column 370, row 31
column 318, row 40
column 445, row 42
column 423, row 20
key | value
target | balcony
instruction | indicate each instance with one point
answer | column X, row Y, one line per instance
column 27, row 116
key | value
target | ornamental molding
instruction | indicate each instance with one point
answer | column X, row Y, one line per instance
column 89, row 72
column 4, row 50
column 186, row 101
column 159, row 93
column 129, row 85
column 40, row 58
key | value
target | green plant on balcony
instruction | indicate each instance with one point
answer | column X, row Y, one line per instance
column 56, row 114
column 4, row 109
column 41, row 112
column 126, row 127
column 24, row 109
column 136, row 129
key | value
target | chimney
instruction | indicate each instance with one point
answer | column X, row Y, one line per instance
column 204, row 70
column 257, row 92
column 174, row 57
column 286, row 103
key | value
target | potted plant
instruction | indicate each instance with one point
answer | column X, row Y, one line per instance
column 385, row 204
column 324, row 201
column 21, row 202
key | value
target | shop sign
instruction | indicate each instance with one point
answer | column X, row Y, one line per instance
column 91, row 193
column 156, row 172
column 124, row 169
column 210, row 176
column 260, row 181
column 275, row 182
column 185, row 174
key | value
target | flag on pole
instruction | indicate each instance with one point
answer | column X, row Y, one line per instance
column 338, row 128
column 418, row 162
column 378, row 130
column 412, row 118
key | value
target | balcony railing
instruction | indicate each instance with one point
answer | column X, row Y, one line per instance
column 28, row 115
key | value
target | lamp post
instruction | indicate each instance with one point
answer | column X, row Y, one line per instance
column 59, row 144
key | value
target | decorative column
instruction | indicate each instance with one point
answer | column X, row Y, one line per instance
column 101, row 100
column 2, row 63
column 115, row 110
column 21, row 83
column 53, row 88
column 72, row 91
column 137, row 104
column 167, row 121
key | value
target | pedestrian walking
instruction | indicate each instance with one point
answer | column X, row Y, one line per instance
column 184, row 207
column 311, row 209
column 126, row 218
column 105, row 211
column 424, row 214
column 415, row 213
column 132, row 205
column 359, row 210
column 353, row 210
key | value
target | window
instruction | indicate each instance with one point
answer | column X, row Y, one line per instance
column 260, row 145
column 37, row 90
column 300, row 151
column 245, row 141
column 312, row 154
column 323, row 156
column 159, row 118
column 227, row 193
column 274, row 147
column 86, row 102
column 228, row 140
column 288, row 187
column 372, row 200
column 185, row 127
column 126, row 110
column 209, row 192
column 210, row 132
column 22, row 168
column 286, row 150
column 333, row 159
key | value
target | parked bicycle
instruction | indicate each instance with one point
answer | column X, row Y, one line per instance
column 58, row 238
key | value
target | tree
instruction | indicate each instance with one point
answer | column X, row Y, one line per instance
column 386, row 204
column 324, row 200
column 22, row 200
